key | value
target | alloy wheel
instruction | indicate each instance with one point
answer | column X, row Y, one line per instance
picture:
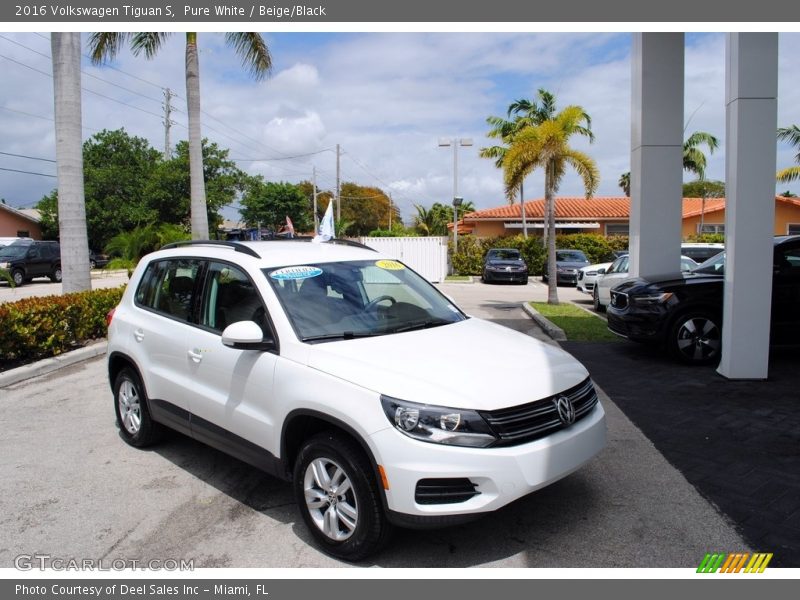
column 130, row 408
column 698, row 339
column 330, row 499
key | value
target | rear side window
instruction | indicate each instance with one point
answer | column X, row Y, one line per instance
column 167, row 287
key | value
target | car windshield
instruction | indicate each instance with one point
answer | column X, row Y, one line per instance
column 714, row 265
column 571, row 256
column 345, row 300
column 14, row 251
column 504, row 255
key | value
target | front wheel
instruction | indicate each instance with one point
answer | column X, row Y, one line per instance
column 18, row 277
column 338, row 497
column 696, row 338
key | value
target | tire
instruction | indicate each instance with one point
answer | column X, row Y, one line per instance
column 696, row 338
column 596, row 300
column 350, row 526
column 18, row 277
column 136, row 426
column 92, row 264
column 56, row 275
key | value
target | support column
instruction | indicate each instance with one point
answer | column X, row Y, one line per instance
column 656, row 153
column 750, row 157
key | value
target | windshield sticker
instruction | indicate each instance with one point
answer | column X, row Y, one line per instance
column 300, row 272
column 390, row 265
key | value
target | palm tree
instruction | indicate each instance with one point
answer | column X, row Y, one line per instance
column 694, row 161
column 625, row 183
column 255, row 56
column 66, row 52
column 791, row 135
column 526, row 113
column 546, row 146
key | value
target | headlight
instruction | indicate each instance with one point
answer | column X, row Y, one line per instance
column 651, row 299
column 438, row 424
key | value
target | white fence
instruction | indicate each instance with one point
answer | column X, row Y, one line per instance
column 426, row 255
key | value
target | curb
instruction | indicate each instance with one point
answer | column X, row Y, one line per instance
column 547, row 326
column 470, row 280
column 48, row 365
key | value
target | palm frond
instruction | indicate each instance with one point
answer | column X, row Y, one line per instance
column 253, row 51
column 104, row 46
column 148, row 42
column 788, row 175
column 584, row 166
column 791, row 135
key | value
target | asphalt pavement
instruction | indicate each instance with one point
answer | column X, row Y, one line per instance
column 71, row 488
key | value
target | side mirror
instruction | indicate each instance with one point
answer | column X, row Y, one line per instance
column 601, row 271
column 246, row 335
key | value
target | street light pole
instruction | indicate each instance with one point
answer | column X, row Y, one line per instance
column 455, row 143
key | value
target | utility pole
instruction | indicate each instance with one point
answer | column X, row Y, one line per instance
column 391, row 210
column 167, row 121
column 314, row 184
column 338, row 190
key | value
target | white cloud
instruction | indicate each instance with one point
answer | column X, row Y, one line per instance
column 385, row 98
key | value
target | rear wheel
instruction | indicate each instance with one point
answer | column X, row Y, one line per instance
column 133, row 417
column 339, row 498
column 596, row 300
column 696, row 338
column 55, row 276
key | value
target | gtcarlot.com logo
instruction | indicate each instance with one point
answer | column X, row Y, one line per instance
column 737, row 562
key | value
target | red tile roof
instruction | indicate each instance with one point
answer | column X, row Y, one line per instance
column 597, row 208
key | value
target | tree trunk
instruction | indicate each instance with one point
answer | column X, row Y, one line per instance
column 552, row 272
column 522, row 209
column 199, row 212
column 66, row 52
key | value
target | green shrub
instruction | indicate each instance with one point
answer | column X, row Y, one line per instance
column 6, row 276
column 40, row 327
column 472, row 250
column 707, row 238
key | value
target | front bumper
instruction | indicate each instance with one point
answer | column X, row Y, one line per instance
column 639, row 326
column 501, row 475
column 511, row 276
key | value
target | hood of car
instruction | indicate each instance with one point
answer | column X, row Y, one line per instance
column 471, row 364
column 668, row 281
column 570, row 264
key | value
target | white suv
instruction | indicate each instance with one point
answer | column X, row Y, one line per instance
column 351, row 376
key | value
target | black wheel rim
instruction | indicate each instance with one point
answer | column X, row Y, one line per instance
column 698, row 339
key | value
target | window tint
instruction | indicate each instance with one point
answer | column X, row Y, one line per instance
column 167, row 287
column 789, row 261
column 230, row 297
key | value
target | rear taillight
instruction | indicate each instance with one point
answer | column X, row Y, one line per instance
column 110, row 316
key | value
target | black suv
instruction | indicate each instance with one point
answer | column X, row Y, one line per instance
column 27, row 259
column 684, row 311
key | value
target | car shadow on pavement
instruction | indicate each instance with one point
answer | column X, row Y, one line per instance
column 532, row 525
column 736, row 442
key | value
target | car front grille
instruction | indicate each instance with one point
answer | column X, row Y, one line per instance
column 528, row 422
column 619, row 300
column 444, row 491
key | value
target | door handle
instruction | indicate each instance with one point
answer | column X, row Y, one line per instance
column 138, row 335
column 195, row 355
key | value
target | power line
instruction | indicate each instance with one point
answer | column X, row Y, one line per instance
column 51, row 119
column 27, row 172
column 30, row 157
column 284, row 157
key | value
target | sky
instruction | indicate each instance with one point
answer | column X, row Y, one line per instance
column 385, row 98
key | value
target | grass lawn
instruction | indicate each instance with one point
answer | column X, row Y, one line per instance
column 458, row 278
column 578, row 324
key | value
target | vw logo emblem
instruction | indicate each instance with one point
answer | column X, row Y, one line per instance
column 566, row 412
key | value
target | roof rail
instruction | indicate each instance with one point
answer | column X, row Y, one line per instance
column 308, row 238
column 234, row 245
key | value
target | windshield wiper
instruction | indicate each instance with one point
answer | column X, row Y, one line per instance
column 426, row 324
column 343, row 335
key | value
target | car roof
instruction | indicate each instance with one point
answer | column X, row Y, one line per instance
column 271, row 253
